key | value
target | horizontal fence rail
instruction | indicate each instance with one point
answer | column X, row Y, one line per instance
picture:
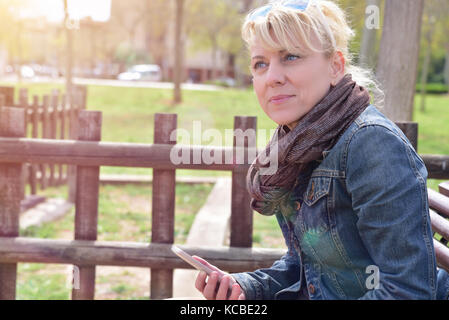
column 76, row 152
column 134, row 254
column 113, row 154
column 154, row 255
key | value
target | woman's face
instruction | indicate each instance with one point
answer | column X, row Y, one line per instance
column 287, row 85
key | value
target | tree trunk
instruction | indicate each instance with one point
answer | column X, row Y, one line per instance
column 178, row 70
column 425, row 69
column 247, row 5
column 214, row 60
column 368, row 46
column 398, row 56
column 69, row 56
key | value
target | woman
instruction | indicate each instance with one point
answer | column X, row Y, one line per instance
column 349, row 191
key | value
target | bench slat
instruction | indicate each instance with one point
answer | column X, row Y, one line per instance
column 443, row 188
column 439, row 224
column 438, row 202
column 442, row 255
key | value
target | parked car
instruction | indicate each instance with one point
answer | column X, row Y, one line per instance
column 142, row 72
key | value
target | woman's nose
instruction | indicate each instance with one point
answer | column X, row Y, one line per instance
column 275, row 75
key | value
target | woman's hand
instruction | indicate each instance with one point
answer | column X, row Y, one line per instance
column 211, row 291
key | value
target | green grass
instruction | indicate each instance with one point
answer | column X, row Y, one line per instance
column 433, row 128
column 124, row 214
column 48, row 287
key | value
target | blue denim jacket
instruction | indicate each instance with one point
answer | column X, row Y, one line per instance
column 362, row 228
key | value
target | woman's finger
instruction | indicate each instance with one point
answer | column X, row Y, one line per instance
column 223, row 289
column 200, row 281
column 201, row 260
column 236, row 291
column 209, row 291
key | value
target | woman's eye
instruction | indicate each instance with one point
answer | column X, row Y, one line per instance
column 291, row 57
column 259, row 65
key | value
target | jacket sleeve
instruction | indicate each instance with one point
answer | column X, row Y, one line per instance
column 386, row 180
column 282, row 277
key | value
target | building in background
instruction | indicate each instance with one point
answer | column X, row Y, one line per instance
column 199, row 65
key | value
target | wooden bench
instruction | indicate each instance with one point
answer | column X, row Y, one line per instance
column 439, row 214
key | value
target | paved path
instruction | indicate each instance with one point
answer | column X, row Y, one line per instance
column 210, row 228
column 116, row 83
column 50, row 210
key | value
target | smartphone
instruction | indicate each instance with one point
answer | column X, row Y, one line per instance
column 196, row 264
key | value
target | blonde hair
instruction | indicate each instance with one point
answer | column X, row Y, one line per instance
column 284, row 28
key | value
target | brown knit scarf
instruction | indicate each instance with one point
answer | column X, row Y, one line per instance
column 317, row 131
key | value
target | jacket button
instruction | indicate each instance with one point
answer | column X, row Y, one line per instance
column 311, row 289
column 312, row 189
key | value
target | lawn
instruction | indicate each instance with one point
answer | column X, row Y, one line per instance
column 124, row 214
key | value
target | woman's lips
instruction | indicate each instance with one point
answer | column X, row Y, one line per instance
column 280, row 99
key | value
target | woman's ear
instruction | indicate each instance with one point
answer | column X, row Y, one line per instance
column 337, row 67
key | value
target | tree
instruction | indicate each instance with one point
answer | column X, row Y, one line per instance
column 158, row 16
column 368, row 45
column 398, row 56
column 69, row 54
column 127, row 16
column 219, row 32
column 428, row 30
column 440, row 40
column 179, row 49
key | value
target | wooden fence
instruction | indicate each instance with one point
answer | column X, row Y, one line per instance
column 89, row 154
column 50, row 118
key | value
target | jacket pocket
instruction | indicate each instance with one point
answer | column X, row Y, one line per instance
column 314, row 213
column 318, row 187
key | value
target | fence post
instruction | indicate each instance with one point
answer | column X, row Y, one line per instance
column 82, row 96
column 86, row 204
column 73, row 134
column 163, row 207
column 11, row 186
column 410, row 130
column 62, row 134
column 45, row 135
column 54, row 101
column 8, row 93
column 34, row 133
column 241, row 212
column 23, row 103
